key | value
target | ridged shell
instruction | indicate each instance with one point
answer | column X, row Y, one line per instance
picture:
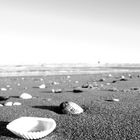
column 32, row 127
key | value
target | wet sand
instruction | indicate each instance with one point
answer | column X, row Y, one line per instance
column 103, row 118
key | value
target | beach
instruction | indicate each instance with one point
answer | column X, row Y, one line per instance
column 111, row 105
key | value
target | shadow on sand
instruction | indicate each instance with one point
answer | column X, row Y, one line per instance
column 5, row 132
column 55, row 109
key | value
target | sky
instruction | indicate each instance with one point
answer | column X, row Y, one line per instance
column 69, row 31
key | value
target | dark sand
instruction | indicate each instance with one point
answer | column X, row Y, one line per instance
column 102, row 119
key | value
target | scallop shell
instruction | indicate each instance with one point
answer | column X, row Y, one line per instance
column 32, row 127
column 70, row 108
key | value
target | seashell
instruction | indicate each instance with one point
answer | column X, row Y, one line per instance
column 3, row 89
column 76, row 82
column 8, row 86
column 68, row 76
column 16, row 103
column 25, row 96
column 32, row 127
column 56, row 90
column 8, row 104
column 70, row 108
column 1, row 105
column 42, row 86
column 116, row 100
column 18, row 84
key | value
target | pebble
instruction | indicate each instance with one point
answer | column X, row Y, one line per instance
column 70, row 108
column 77, row 90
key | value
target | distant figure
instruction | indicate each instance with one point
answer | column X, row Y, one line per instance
column 99, row 62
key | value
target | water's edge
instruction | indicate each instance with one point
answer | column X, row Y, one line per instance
column 34, row 70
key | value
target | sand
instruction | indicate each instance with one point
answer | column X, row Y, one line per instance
column 103, row 118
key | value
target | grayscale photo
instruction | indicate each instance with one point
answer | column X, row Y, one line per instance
column 69, row 69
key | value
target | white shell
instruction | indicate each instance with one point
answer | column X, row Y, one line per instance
column 16, row 103
column 8, row 104
column 25, row 96
column 3, row 89
column 1, row 105
column 70, row 108
column 42, row 86
column 117, row 100
column 32, row 127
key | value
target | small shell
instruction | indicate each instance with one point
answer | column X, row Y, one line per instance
column 70, row 108
column 37, row 127
column 56, row 90
column 25, row 96
column 16, row 103
column 116, row 100
column 42, row 86
column 3, row 89
column 8, row 104
column 1, row 105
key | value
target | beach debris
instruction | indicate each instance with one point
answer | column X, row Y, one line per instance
column 116, row 100
column 114, row 81
column 56, row 90
column 55, row 83
column 108, row 84
column 112, row 89
column 102, row 79
column 16, row 103
column 70, row 108
column 25, row 96
column 8, row 86
column 41, row 79
column 112, row 100
column 22, row 78
column 123, row 78
column 109, row 75
column 77, row 90
column 36, row 127
column 1, row 105
column 68, row 77
column 8, row 103
column 3, row 89
column 42, row 86
column 87, row 86
column 18, row 84
column 135, row 88
column 130, row 76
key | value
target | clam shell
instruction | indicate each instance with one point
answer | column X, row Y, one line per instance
column 70, row 108
column 32, row 127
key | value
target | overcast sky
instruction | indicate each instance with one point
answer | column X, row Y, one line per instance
column 69, row 31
